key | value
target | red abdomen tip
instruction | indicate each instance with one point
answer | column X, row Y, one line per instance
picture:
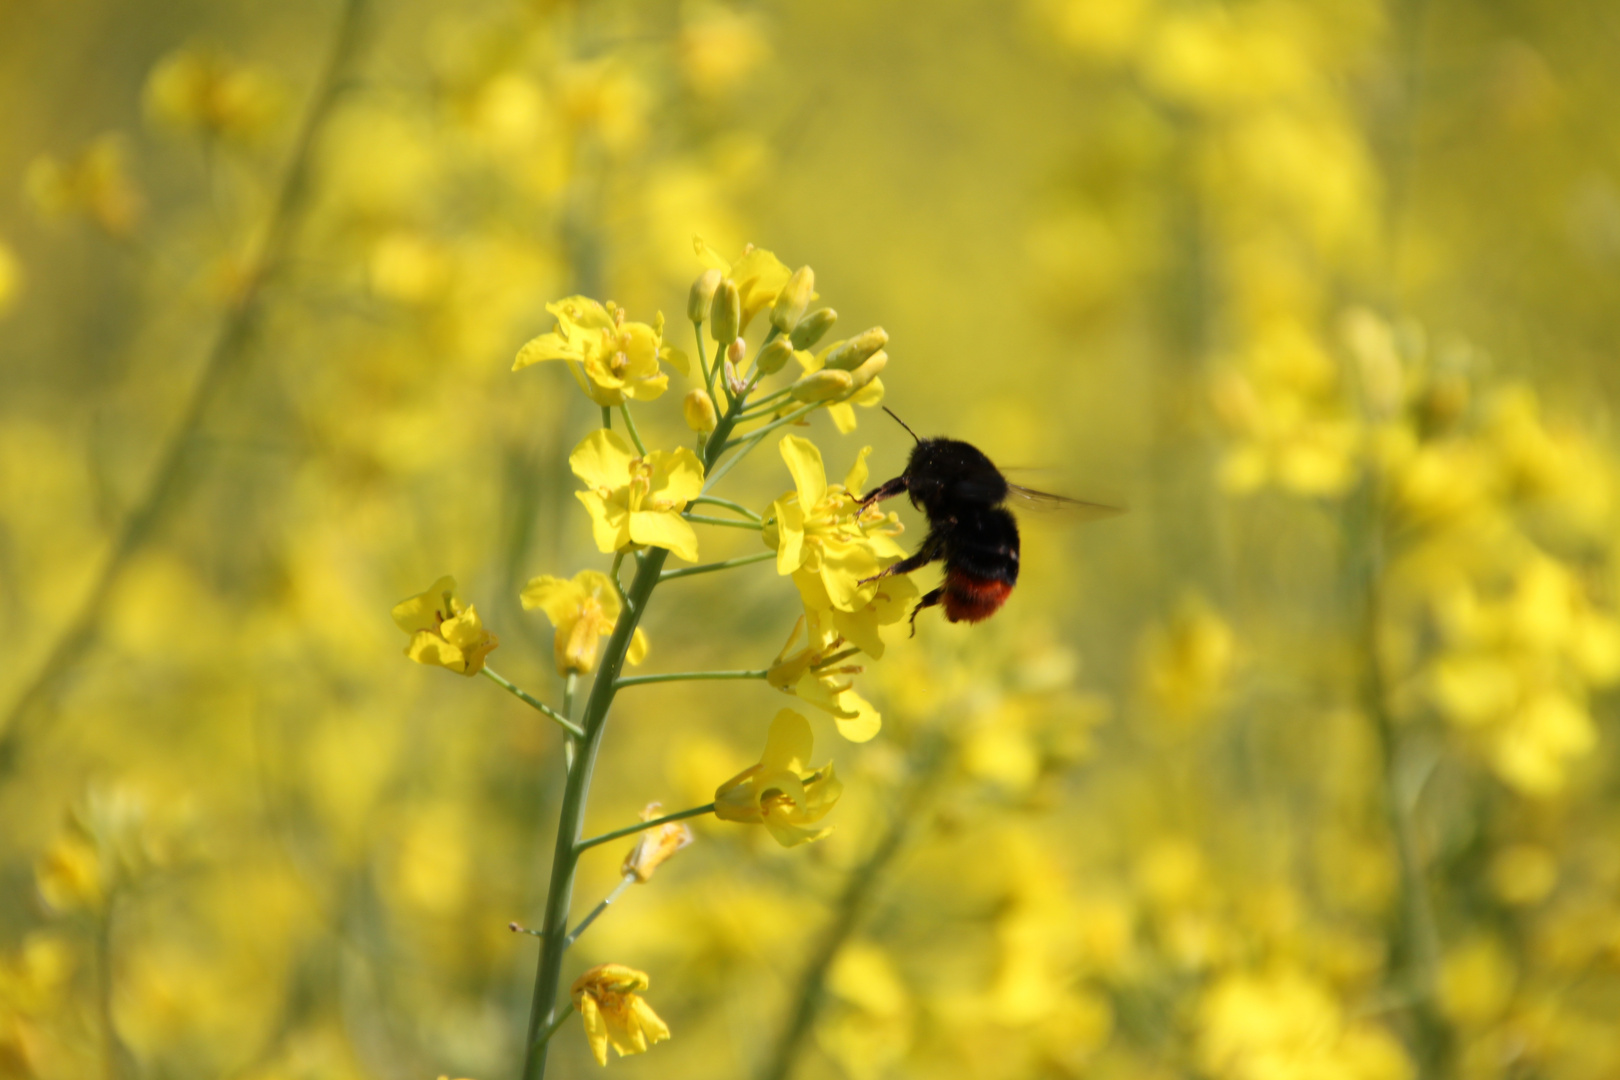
column 970, row 599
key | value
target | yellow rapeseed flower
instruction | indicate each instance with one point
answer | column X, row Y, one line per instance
column 607, row 999
column 443, row 630
column 782, row 792
column 612, row 359
column 95, row 184
column 812, row 673
column 205, row 91
column 654, row 847
column 582, row 610
column 824, row 540
column 758, row 274
column 637, row 501
column 846, row 387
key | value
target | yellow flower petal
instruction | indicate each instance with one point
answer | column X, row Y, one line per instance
column 788, row 746
column 639, row 647
column 602, row 459
column 664, row 529
column 610, row 522
column 855, row 479
column 789, row 517
column 803, row 459
column 419, row 612
column 677, row 477
column 551, row 346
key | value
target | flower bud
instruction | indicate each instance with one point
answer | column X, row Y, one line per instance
column 823, row 386
column 773, row 356
column 794, row 298
column 813, row 327
column 736, row 352
column 868, row 371
column 699, row 411
column 702, row 295
column 853, row 353
column 725, row 314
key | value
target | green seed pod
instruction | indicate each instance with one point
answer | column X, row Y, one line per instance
column 794, row 298
column 854, row 352
column 699, row 412
column 868, row 371
column 702, row 295
column 773, row 356
column 813, row 327
column 725, row 314
column 823, row 386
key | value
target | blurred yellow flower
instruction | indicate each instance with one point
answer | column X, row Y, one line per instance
column 719, row 48
column 95, row 184
column 444, row 631
column 654, row 847
column 610, row 358
column 582, row 610
column 637, row 501
column 758, row 274
column 1187, row 663
column 812, row 672
column 205, row 91
column 10, row 278
column 69, row 874
column 822, row 537
column 607, row 999
column 782, row 792
column 1534, row 749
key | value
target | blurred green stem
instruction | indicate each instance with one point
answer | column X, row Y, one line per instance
column 858, row 892
column 709, row 568
column 1414, row 939
column 690, row 676
column 729, row 505
column 630, row 426
column 726, row 523
column 225, row 356
column 118, row 1061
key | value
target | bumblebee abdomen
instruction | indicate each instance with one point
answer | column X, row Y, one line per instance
column 984, row 546
column 970, row 599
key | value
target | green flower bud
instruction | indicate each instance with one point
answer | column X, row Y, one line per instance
column 702, row 295
column 813, row 327
column 823, row 386
column 773, row 356
column 699, row 411
column 851, row 354
column 725, row 314
column 868, row 371
column 793, row 299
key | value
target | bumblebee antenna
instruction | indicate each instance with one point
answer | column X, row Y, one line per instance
column 902, row 423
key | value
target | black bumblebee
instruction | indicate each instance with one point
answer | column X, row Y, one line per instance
column 969, row 525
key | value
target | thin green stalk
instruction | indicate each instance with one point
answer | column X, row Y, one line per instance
column 703, row 363
column 533, row 702
column 709, row 568
column 545, row 1036
column 746, row 445
column 225, row 356
column 690, row 676
column 728, row 523
column 836, row 657
column 760, row 433
column 717, row 372
column 565, row 855
column 630, row 426
column 607, row 417
column 596, row 912
column 729, row 505
column 643, row 826
column 765, row 405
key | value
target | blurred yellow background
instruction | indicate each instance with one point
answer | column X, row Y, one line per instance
column 1302, row 768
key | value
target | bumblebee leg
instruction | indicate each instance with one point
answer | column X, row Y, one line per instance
column 886, row 490
column 931, row 549
column 929, row 600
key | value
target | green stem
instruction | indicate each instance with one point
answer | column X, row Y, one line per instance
column 765, row 405
column 643, row 826
column 607, row 417
column 596, row 912
column 709, row 568
column 630, row 425
column 565, row 856
column 701, row 519
column 745, row 446
column 760, row 433
column 618, row 561
column 703, row 362
column 729, row 505
column 717, row 371
column 690, row 676
column 837, row 657
column 545, row 1036
column 226, row 354
column 534, row 702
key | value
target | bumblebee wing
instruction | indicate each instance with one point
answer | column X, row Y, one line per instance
column 1029, row 498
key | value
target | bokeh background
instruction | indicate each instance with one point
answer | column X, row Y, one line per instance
column 1301, row 768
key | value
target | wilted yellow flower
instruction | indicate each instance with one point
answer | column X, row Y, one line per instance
column 443, row 630
column 637, row 501
column 95, row 184
column 582, row 610
column 822, row 537
column 654, row 846
column 782, row 792
column 758, row 274
column 813, row 673
column 205, row 91
column 607, row 999
column 612, row 359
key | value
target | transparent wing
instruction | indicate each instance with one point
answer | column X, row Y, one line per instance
column 1030, row 499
